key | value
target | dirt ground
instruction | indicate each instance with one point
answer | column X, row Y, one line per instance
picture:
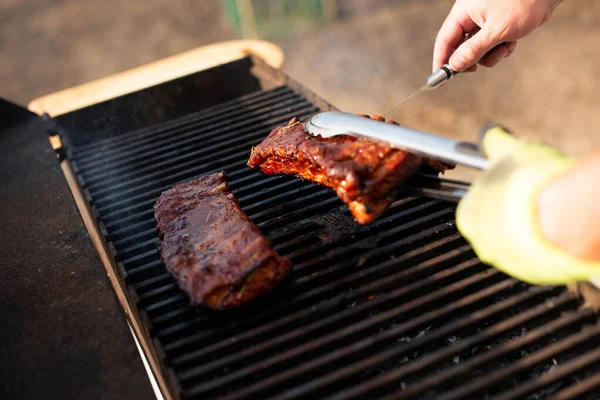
column 366, row 63
column 49, row 45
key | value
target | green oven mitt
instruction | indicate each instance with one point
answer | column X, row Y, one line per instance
column 498, row 215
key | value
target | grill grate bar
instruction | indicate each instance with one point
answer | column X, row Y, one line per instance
column 317, row 199
column 258, row 182
column 146, row 236
column 157, row 264
column 113, row 203
column 306, row 253
column 145, row 205
column 199, row 143
column 124, row 231
column 391, row 353
column 224, row 108
column 142, row 247
column 536, row 335
column 128, row 211
column 376, row 271
column 553, row 306
column 153, row 194
column 397, row 209
column 272, row 202
column 590, row 385
column 257, row 197
column 303, row 297
column 329, row 204
column 157, row 291
column 136, row 236
column 590, row 358
column 178, row 299
column 341, row 301
column 144, row 148
column 366, row 261
column 135, row 259
column 184, row 155
column 344, row 334
column 306, row 331
column 211, row 155
column 235, row 160
column 148, row 282
column 317, row 293
column 149, row 213
column 475, row 387
column 328, row 304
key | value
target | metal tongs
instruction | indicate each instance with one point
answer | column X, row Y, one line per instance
column 333, row 123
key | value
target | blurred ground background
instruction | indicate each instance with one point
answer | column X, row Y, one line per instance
column 360, row 55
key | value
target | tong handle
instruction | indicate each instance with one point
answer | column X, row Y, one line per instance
column 439, row 77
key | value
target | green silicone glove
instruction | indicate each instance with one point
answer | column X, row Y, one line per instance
column 498, row 215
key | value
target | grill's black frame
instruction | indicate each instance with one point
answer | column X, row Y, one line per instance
column 431, row 278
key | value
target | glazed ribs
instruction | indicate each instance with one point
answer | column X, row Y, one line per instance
column 363, row 173
column 217, row 254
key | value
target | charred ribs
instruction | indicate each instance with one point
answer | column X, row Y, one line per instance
column 217, row 254
column 363, row 173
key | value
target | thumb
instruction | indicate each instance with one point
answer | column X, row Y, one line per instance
column 473, row 49
column 498, row 143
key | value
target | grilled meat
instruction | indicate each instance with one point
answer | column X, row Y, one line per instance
column 217, row 254
column 363, row 173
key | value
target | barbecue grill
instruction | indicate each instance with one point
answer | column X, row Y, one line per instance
column 398, row 309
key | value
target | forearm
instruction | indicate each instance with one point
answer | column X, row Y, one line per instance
column 569, row 209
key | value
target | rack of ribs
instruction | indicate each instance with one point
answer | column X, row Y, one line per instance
column 216, row 253
column 363, row 173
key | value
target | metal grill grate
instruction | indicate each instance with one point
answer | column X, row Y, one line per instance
column 399, row 309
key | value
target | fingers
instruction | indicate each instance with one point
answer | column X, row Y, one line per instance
column 497, row 54
column 482, row 46
column 511, row 47
column 494, row 56
column 450, row 36
column 471, row 51
column 498, row 142
column 472, row 68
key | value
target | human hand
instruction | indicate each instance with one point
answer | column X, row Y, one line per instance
column 492, row 27
column 500, row 214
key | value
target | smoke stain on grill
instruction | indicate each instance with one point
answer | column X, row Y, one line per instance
column 335, row 227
